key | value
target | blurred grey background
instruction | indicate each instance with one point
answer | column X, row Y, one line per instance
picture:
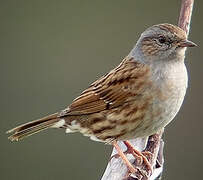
column 51, row 50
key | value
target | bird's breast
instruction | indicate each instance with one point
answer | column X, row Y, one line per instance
column 158, row 104
column 169, row 89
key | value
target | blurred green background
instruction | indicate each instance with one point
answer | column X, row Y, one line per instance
column 51, row 50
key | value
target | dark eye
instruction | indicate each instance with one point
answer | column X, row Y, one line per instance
column 162, row 39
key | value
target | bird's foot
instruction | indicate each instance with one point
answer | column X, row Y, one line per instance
column 142, row 158
column 122, row 155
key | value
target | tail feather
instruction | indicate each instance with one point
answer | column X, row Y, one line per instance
column 33, row 127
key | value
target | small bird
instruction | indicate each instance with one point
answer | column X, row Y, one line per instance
column 136, row 99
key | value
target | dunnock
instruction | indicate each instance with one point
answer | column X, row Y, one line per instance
column 136, row 99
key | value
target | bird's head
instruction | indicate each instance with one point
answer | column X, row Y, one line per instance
column 162, row 42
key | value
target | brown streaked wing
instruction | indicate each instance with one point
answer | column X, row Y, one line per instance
column 111, row 90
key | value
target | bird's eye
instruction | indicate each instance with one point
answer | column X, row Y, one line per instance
column 162, row 39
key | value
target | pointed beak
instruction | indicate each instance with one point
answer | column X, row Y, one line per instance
column 187, row 43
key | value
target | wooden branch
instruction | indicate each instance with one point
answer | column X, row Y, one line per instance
column 116, row 169
column 185, row 15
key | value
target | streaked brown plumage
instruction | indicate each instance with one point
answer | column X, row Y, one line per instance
column 115, row 94
column 137, row 98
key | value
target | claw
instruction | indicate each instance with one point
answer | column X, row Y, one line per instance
column 143, row 156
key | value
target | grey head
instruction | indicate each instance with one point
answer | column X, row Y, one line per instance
column 162, row 42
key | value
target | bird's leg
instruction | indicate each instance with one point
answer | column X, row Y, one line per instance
column 124, row 158
column 137, row 154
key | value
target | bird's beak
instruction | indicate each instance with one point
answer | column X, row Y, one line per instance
column 186, row 43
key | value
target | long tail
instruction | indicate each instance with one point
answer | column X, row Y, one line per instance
column 33, row 127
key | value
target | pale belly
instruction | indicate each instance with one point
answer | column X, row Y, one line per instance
column 160, row 114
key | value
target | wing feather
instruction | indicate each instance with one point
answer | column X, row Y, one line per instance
column 111, row 90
